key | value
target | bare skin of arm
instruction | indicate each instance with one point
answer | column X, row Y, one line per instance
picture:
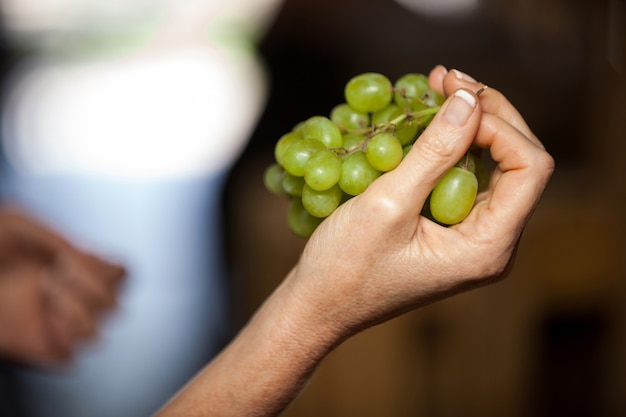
column 376, row 257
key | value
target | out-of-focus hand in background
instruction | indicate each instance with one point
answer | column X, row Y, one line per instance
column 52, row 294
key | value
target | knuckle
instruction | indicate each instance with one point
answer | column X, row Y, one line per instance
column 383, row 208
column 546, row 163
column 435, row 148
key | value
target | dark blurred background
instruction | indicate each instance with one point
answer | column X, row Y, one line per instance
column 550, row 340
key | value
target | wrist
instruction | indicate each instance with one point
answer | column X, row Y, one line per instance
column 304, row 320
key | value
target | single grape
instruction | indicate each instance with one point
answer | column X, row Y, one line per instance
column 283, row 143
column 292, row 185
column 408, row 91
column 383, row 116
column 273, row 178
column 453, row 197
column 357, row 173
column 406, row 149
column 295, row 157
column 321, row 203
column 322, row 170
column 300, row 221
column 383, row 151
column 322, row 129
column 368, row 92
column 348, row 119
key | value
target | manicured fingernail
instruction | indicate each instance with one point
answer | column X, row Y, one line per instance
column 459, row 108
column 463, row 76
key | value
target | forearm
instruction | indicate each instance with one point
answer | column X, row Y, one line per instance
column 265, row 366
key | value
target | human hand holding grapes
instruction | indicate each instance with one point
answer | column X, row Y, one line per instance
column 379, row 255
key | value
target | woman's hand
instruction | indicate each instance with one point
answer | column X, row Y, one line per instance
column 377, row 257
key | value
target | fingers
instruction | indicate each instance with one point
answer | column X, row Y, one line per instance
column 25, row 234
column 93, row 280
column 83, row 286
column 491, row 100
column 522, row 173
column 79, row 288
column 441, row 145
column 435, row 78
column 524, row 167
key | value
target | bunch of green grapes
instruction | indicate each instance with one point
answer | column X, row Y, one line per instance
column 326, row 160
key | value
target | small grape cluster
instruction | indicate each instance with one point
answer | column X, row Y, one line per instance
column 324, row 161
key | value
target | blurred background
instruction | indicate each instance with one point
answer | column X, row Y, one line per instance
column 549, row 340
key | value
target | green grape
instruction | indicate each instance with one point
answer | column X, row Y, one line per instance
column 321, row 203
column 283, row 143
column 324, row 130
column 295, row 157
column 273, row 178
column 406, row 149
column 298, row 127
column 383, row 151
column 453, row 197
column 353, row 140
column 357, row 173
column 408, row 91
column 407, row 130
column 300, row 221
column 292, row 185
column 368, row 92
column 432, row 98
column 383, row 116
column 348, row 119
column 322, row 170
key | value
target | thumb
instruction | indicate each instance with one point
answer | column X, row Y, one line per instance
column 439, row 147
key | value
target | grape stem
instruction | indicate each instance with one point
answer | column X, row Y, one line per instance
column 414, row 115
column 385, row 127
column 465, row 164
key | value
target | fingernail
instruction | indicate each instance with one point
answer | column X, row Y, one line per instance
column 463, row 76
column 459, row 108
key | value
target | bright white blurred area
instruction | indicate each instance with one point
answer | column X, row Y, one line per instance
column 186, row 111
column 119, row 126
column 440, row 8
column 182, row 103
